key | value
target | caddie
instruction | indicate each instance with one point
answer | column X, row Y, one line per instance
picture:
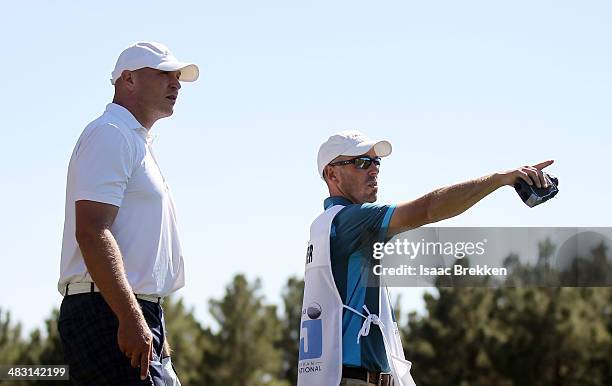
column 348, row 334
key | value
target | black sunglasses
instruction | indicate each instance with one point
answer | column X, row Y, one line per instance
column 362, row 162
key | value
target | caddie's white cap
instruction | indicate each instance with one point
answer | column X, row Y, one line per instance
column 349, row 142
column 154, row 55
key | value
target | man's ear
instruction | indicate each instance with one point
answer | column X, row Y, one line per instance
column 330, row 173
column 128, row 78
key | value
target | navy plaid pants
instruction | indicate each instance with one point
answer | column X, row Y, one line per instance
column 88, row 330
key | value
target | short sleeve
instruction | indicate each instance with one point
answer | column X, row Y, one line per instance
column 102, row 166
column 366, row 222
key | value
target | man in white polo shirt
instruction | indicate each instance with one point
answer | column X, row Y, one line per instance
column 121, row 252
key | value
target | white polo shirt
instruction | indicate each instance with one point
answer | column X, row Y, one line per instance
column 113, row 163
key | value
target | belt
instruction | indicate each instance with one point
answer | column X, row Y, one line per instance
column 362, row 374
column 83, row 288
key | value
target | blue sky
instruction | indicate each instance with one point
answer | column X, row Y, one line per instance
column 461, row 89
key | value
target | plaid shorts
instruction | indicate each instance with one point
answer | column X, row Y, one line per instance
column 88, row 329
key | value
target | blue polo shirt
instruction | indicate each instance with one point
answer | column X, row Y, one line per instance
column 354, row 229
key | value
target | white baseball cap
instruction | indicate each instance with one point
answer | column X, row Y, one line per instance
column 154, row 55
column 352, row 143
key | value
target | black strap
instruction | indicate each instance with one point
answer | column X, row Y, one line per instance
column 369, row 377
column 355, row 373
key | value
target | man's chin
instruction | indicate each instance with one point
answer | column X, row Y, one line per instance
column 165, row 113
column 372, row 198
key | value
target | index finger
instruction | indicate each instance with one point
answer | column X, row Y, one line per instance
column 144, row 364
column 544, row 164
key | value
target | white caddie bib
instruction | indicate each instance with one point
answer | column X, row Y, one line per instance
column 320, row 357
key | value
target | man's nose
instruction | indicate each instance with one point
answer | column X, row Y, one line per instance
column 175, row 83
column 373, row 170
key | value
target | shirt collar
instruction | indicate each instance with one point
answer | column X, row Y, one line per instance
column 129, row 120
column 336, row 200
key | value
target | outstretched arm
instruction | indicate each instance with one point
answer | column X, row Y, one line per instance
column 453, row 200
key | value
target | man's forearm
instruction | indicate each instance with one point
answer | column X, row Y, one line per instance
column 105, row 265
column 453, row 200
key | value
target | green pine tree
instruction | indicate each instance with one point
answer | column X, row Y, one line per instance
column 191, row 344
column 248, row 337
column 289, row 344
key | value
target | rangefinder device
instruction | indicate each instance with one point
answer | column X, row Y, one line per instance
column 532, row 195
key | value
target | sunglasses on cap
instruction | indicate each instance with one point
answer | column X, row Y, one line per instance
column 361, row 162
